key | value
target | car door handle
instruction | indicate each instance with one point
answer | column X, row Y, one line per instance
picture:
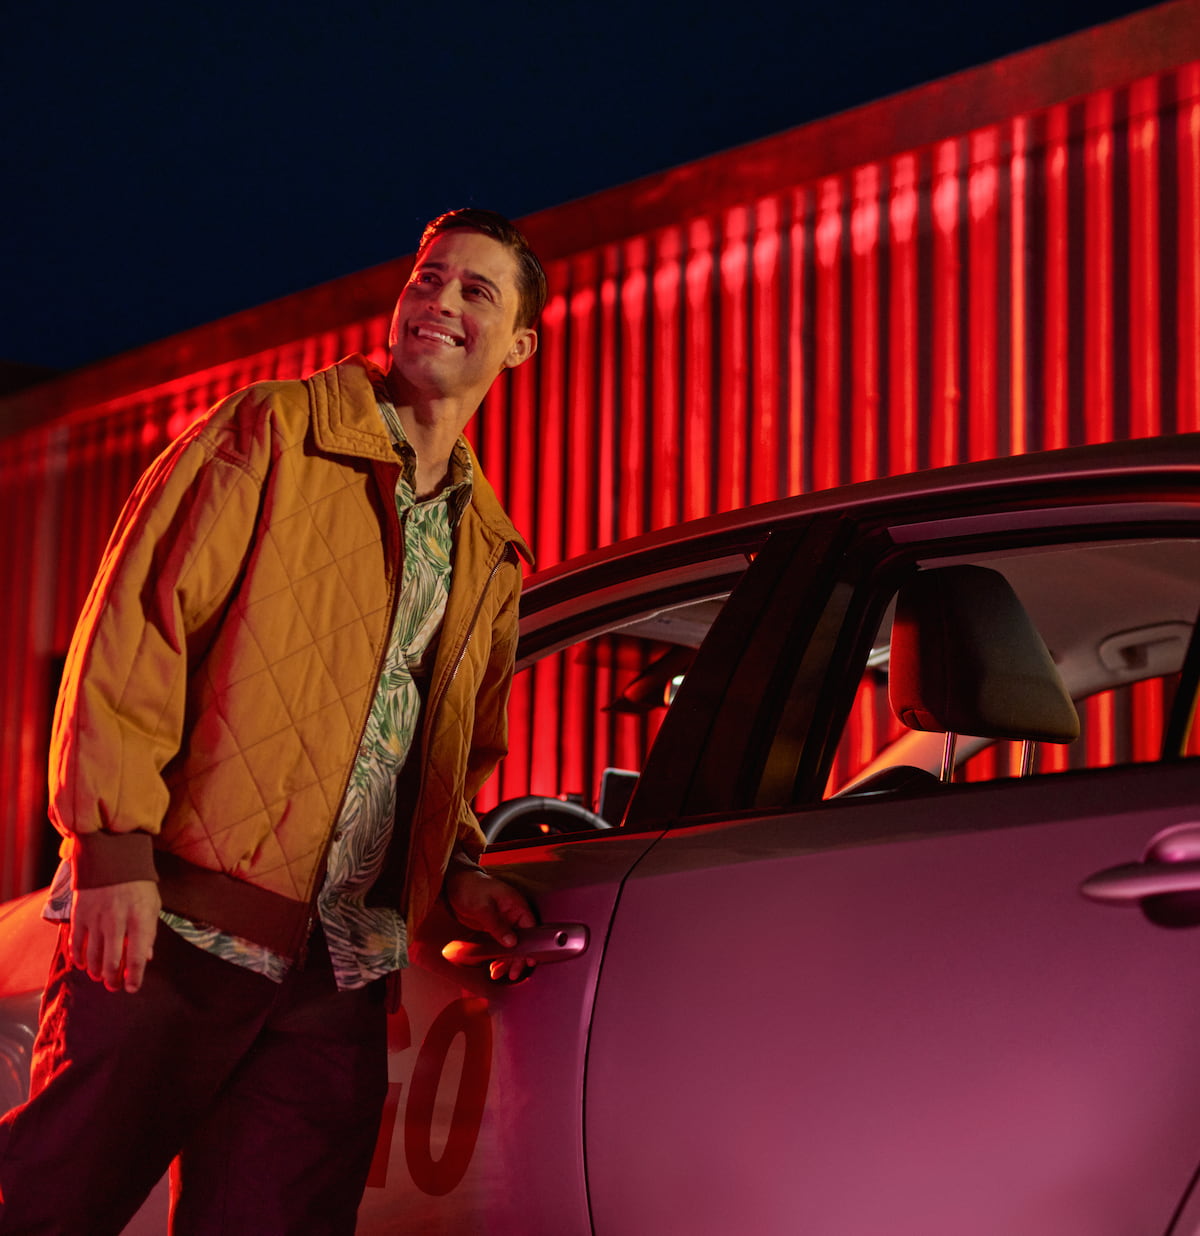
column 545, row 943
column 1132, row 881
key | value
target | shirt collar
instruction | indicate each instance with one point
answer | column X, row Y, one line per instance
column 460, row 474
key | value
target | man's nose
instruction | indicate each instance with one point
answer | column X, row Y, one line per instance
column 448, row 298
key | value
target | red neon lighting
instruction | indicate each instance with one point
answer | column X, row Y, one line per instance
column 1019, row 310
column 828, row 419
column 632, row 518
column 1145, row 352
column 698, row 363
column 946, row 393
column 904, row 455
column 797, row 357
column 1187, row 252
column 766, row 430
column 1098, row 277
column 865, row 402
column 983, row 243
column 735, row 345
column 1056, row 333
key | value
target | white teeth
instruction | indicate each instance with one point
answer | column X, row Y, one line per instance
column 427, row 332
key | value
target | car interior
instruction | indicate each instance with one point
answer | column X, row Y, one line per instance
column 1117, row 620
column 1052, row 657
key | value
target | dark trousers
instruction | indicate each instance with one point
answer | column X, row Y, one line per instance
column 266, row 1096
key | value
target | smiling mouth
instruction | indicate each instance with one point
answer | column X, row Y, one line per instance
column 437, row 335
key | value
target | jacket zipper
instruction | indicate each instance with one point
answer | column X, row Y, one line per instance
column 435, row 705
column 393, row 605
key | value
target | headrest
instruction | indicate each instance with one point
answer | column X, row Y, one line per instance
column 966, row 659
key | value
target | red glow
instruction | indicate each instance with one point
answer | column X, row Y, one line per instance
column 580, row 431
column 1098, row 281
column 550, row 447
column 1145, row 355
column 631, row 519
column 995, row 286
column 946, row 380
column 983, row 232
column 1056, row 429
column 766, row 431
column 1188, row 248
column 735, row 344
column 828, row 414
column 1019, row 311
column 698, row 378
column 865, row 410
column 798, row 360
column 607, row 402
column 902, row 316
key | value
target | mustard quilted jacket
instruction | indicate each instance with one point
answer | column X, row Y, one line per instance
column 226, row 659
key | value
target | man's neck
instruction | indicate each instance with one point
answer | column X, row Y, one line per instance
column 432, row 427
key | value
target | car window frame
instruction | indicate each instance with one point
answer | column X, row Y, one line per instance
column 876, row 586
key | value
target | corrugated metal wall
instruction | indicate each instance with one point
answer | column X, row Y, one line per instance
column 1031, row 284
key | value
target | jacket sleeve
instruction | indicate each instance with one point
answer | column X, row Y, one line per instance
column 168, row 569
column 489, row 742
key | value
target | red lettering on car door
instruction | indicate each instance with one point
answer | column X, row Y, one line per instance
column 468, row 1017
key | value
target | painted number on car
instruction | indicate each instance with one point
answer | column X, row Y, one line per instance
column 468, row 1017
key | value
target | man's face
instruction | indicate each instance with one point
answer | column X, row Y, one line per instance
column 454, row 328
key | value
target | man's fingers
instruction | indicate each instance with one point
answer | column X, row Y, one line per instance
column 508, row 910
column 114, row 955
column 94, row 953
column 135, row 971
column 112, row 932
column 139, row 948
column 511, row 969
column 77, row 945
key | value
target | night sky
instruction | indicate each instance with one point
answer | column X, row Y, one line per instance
column 169, row 163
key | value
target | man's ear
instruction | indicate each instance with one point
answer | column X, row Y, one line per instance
column 524, row 345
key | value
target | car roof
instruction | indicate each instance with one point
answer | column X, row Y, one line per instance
column 1163, row 456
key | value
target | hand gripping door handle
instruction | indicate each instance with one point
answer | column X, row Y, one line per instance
column 1171, row 865
column 545, row 943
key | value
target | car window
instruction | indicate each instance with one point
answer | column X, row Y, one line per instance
column 1117, row 618
column 582, row 718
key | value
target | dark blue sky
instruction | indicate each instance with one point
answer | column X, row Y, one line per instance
column 167, row 163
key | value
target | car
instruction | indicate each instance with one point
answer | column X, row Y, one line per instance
column 864, row 831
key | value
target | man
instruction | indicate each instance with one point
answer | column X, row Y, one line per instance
column 287, row 683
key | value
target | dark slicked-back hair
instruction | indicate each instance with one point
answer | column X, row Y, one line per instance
column 531, row 278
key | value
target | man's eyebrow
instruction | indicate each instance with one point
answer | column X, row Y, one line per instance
column 473, row 276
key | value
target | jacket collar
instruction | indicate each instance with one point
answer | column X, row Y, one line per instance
column 345, row 421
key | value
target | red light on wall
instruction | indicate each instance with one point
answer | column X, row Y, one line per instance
column 827, row 411
column 903, row 309
column 947, row 273
column 1030, row 283
column 983, row 245
column 1019, row 309
column 1187, row 249
column 865, row 398
column 1098, row 383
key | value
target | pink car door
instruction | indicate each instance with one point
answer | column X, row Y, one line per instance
column 898, row 1012
column 483, row 1133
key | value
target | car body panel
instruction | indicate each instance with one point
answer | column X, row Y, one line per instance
column 509, row 1156
column 858, row 1030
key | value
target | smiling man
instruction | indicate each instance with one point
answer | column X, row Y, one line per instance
column 288, row 682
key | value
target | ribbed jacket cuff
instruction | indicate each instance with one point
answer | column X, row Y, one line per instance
column 112, row 858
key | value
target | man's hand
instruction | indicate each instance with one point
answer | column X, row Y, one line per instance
column 112, row 932
column 483, row 903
